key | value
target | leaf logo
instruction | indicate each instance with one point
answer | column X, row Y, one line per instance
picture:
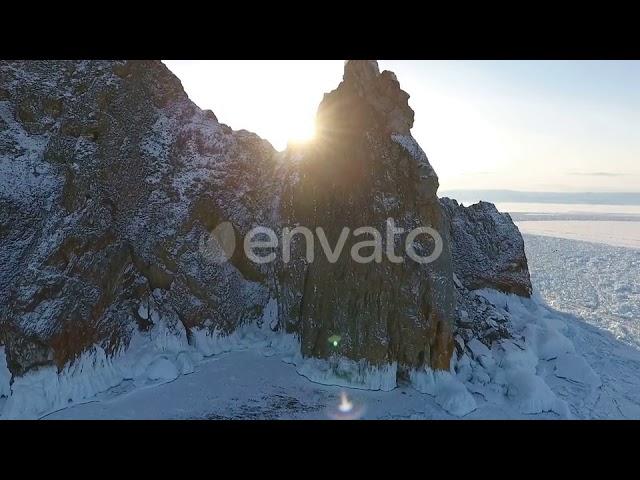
column 221, row 244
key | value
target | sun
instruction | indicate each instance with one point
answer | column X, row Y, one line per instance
column 292, row 129
column 300, row 132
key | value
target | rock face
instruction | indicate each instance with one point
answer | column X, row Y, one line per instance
column 112, row 180
column 487, row 248
column 363, row 168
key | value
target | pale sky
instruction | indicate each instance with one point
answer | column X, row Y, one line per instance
column 519, row 125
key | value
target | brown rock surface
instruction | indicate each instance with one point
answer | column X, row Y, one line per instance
column 109, row 179
column 363, row 168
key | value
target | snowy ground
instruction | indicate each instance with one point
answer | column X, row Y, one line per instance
column 248, row 385
column 578, row 357
column 599, row 288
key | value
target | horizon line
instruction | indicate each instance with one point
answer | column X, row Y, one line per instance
column 524, row 196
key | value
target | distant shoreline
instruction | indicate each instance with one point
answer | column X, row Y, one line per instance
column 514, row 196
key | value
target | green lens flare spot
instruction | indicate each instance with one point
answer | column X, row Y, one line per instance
column 334, row 340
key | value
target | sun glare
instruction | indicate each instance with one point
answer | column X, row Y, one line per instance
column 299, row 132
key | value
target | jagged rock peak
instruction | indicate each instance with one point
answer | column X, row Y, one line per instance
column 366, row 100
column 362, row 71
column 363, row 168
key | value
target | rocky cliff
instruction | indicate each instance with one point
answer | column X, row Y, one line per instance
column 363, row 168
column 112, row 180
column 487, row 248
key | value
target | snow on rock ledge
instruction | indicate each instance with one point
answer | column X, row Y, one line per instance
column 154, row 357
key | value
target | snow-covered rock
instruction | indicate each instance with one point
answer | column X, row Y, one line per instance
column 487, row 248
column 109, row 179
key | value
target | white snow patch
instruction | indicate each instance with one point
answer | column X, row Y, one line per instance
column 185, row 363
column 410, row 145
column 610, row 232
column 270, row 313
column 163, row 369
column 143, row 311
column 23, row 176
column 530, row 394
column 478, row 348
column 547, row 343
column 574, row 367
column 448, row 391
column 516, row 358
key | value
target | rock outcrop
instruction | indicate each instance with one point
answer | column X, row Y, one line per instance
column 487, row 249
column 363, row 168
column 112, row 180
column 110, row 177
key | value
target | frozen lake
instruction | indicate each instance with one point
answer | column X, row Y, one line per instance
column 615, row 233
column 568, row 208
column 616, row 225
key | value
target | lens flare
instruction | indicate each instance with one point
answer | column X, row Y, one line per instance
column 346, row 409
column 345, row 405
